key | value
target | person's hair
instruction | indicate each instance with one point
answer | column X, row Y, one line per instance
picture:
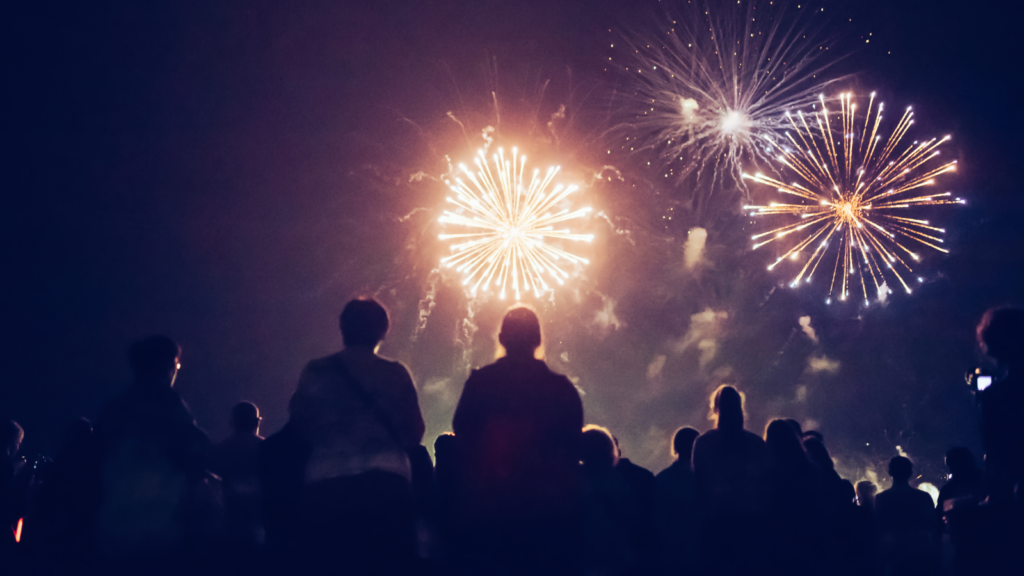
column 520, row 330
column 783, row 443
column 865, row 488
column 727, row 408
column 796, row 427
column 1001, row 334
column 682, row 443
column 597, row 447
column 960, row 460
column 900, row 468
column 245, row 416
column 813, row 434
column 817, row 453
column 10, row 432
column 363, row 322
column 153, row 358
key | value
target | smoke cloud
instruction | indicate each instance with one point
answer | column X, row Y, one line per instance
column 693, row 250
column 805, row 325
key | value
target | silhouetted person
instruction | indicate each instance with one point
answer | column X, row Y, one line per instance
column 866, row 491
column 958, row 512
column 906, row 520
column 678, row 507
column 728, row 461
column 11, row 436
column 447, row 476
column 837, row 508
column 729, row 465
column 1001, row 336
column 965, row 479
column 793, row 486
column 611, row 514
column 837, row 492
column 360, row 414
column 518, row 427
column 153, row 459
column 864, row 541
column 63, row 524
column 645, row 490
column 235, row 460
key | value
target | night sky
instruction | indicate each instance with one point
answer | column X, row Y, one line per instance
column 231, row 173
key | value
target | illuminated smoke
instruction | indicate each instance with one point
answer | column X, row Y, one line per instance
column 693, row 250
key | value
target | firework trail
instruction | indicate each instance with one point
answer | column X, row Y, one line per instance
column 857, row 191
column 506, row 223
column 711, row 88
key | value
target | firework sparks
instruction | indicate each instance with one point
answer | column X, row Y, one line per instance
column 854, row 187
column 710, row 92
column 507, row 223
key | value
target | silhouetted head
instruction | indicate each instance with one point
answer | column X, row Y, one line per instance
column 1001, row 335
column 960, row 461
column 796, row 427
column 364, row 323
column 245, row 418
column 520, row 332
column 900, row 468
column 783, row 443
column 155, row 361
column 597, row 448
column 682, row 443
column 866, row 491
column 444, row 446
column 817, row 453
column 11, row 435
column 727, row 408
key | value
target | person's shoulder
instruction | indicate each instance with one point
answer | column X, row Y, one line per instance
column 382, row 363
column 326, row 363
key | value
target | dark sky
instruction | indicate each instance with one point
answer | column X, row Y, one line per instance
column 230, row 173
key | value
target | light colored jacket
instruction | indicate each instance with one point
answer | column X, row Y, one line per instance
column 348, row 435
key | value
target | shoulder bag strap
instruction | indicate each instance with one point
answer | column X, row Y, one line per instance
column 369, row 402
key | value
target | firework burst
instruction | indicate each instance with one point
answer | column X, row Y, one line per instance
column 858, row 192
column 710, row 91
column 507, row 223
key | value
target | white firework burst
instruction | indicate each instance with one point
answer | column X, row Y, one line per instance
column 711, row 88
column 506, row 226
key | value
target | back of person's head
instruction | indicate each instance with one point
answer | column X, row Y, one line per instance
column 866, row 491
column 11, row 436
column 817, row 453
column 783, row 443
column 444, row 446
column 960, row 461
column 796, row 427
column 597, row 448
column 245, row 417
column 520, row 332
column 1001, row 334
column 727, row 408
column 364, row 323
column 682, row 443
column 900, row 468
column 154, row 360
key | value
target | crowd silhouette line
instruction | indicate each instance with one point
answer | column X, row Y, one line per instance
column 523, row 485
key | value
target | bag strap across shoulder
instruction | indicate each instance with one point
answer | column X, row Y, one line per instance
column 368, row 400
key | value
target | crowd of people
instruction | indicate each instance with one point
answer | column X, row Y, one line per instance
column 522, row 484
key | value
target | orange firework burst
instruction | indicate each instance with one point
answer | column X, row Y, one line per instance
column 857, row 193
column 507, row 224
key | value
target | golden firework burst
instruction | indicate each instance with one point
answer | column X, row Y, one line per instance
column 858, row 192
